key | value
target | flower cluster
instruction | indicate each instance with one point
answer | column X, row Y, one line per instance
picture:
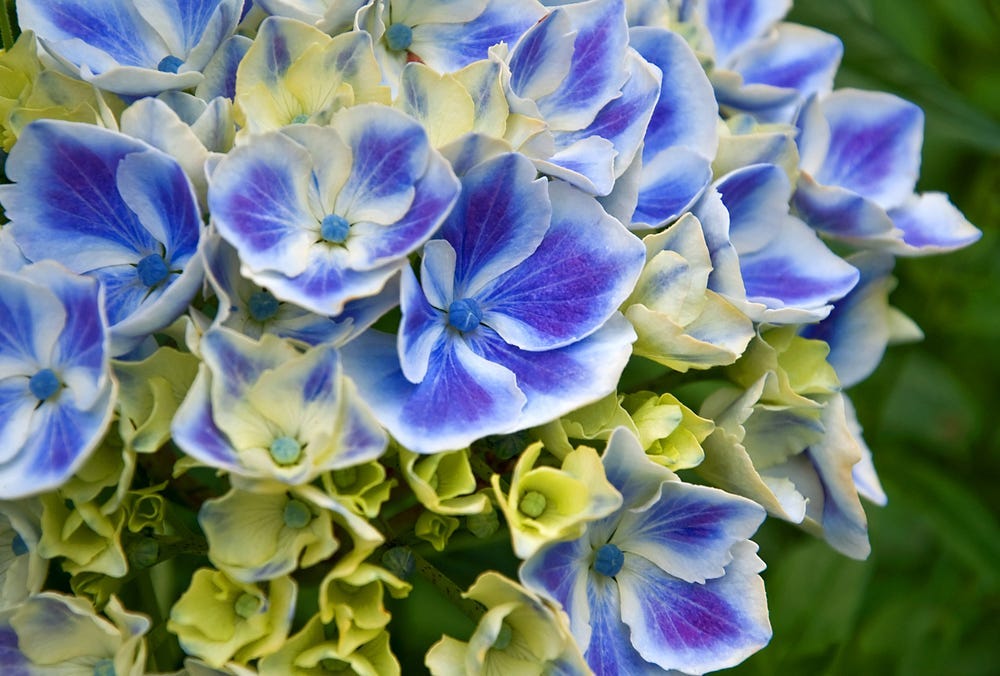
column 296, row 295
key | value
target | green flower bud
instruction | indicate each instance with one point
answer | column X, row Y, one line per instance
column 435, row 528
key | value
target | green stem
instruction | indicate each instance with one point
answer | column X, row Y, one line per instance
column 471, row 609
column 6, row 30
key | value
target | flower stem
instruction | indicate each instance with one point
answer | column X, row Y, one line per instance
column 471, row 609
column 6, row 31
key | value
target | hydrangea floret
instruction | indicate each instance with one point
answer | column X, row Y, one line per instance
column 316, row 313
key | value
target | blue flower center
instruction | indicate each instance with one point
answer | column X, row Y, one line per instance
column 609, row 560
column 44, row 384
column 18, row 546
column 262, row 306
column 104, row 667
column 285, row 450
column 301, row 118
column 169, row 64
column 334, row 229
column 398, row 37
column 152, row 269
column 464, row 314
column 297, row 514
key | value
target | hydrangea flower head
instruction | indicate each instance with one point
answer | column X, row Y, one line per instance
column 516, row 304
column 56, row 389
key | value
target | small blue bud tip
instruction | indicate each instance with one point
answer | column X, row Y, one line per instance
column 285, row 450
column 18, row 546
column 104, row 667
column 169, row 64
column 398, row 37
column 609, row 560
column 262, row 306
column 335, row 229
column 44, row 384
column 152, row 269
column 464, row 314
column 301, row 118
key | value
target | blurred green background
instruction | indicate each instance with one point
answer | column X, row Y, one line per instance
column 927, row 601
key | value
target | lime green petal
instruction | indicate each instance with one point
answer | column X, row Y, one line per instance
column 149, row 393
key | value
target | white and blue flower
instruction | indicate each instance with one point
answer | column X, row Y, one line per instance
column 323, row 216
column 514, row 319
column 57, row 392
column 669, row 581
column 766, row 261
column 132, row 48
column 590, row 94
column 113, row 208
column 860, row 161
column 262, row 410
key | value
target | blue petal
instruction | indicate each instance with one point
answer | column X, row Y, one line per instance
column 65, row 203
column 559, row 572
column 631, row 473
column 182, row 23
column 236, row 363
column 690, row 530
column 624, row 120
column 542, row 58
column 60, row 440
column 81, row 349
column 327, row 284
column 562, row 380
column 597, row 71
column 258, row 196
column 693, row 627
column 500, row 217
column 157, row 190
column 588, row 164
column 390, row 152
column 434, row 194
column 17, row 407
column 194, row 431
column 875, row 141
column 447, row 47
column 795, row 57
column 610, row 651
column 689, row 120
column 842, row 214
column 584, row 268
column 421, row 328
column 670, row 182
column 736, row 23
column 931, row 224
column 462, row 397
column 114, row 27
column 31, row 319
column 220, row 72
column 857, row 330
column 783, row 263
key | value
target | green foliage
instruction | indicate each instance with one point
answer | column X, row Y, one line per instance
column 927, row 600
